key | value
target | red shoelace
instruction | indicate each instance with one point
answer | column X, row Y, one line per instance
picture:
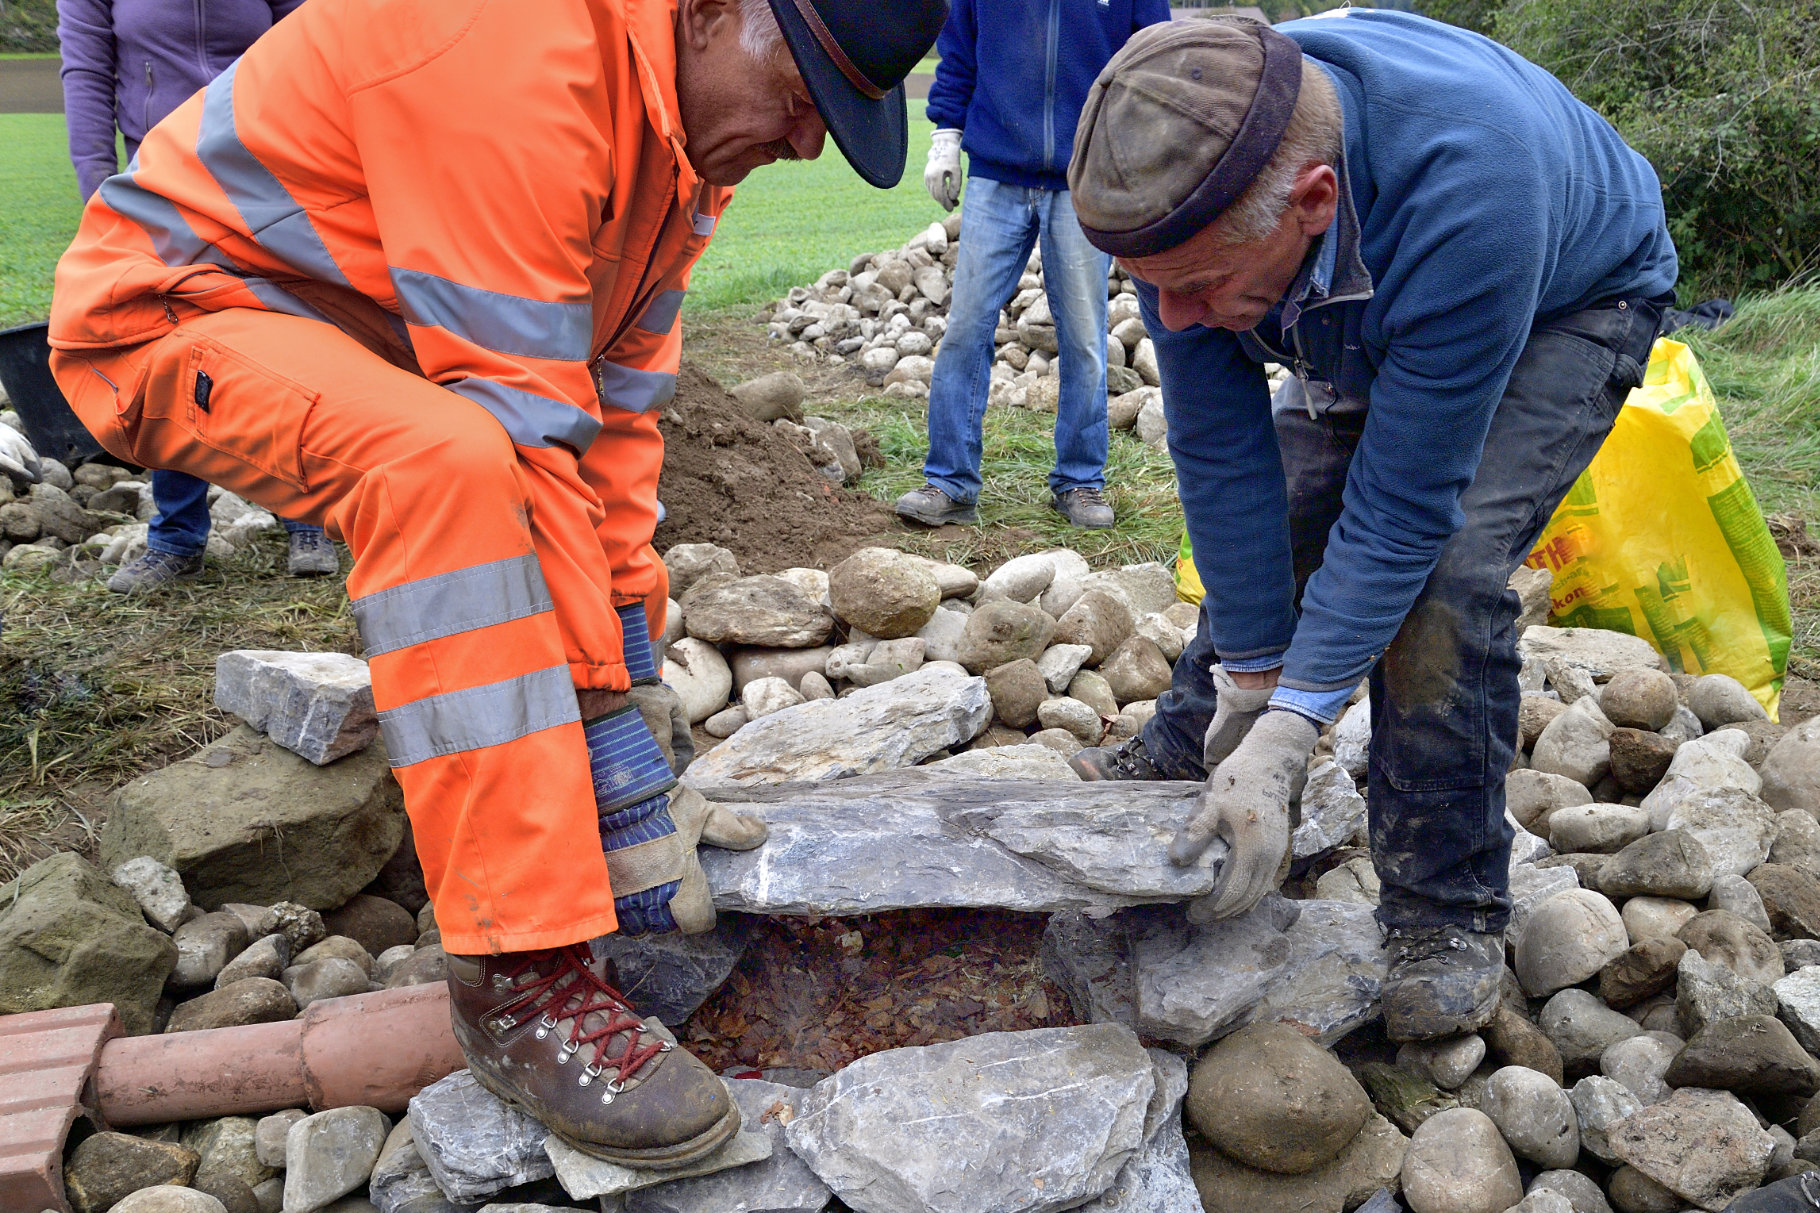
column 552, row 996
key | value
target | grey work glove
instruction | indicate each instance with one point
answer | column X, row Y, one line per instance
column 18, row 461
column 668, row 721
column 942, row 172
column 1247, row 801
column 1235, row 712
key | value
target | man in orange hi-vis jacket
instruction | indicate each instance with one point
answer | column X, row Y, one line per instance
column 411, row 270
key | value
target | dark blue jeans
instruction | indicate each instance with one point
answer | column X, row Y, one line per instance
column 1444, row 696
column 181, row 525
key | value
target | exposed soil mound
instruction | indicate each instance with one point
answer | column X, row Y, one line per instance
column 730, row 480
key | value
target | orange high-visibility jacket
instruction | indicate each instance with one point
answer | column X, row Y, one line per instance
column 492, row 192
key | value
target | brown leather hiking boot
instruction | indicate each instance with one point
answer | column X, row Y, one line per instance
column 545, row 1032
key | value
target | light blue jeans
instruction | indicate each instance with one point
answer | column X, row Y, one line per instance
column 181, row 525
column 999, row 225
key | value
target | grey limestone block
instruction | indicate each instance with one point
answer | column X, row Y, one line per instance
column 318, row 705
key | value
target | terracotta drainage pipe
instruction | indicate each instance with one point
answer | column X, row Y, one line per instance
column 376, row 1049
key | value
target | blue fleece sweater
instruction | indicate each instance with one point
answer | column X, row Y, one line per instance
column 1483, row 197
column 1014, row 75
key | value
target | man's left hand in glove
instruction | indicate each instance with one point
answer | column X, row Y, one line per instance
column 1247, row 802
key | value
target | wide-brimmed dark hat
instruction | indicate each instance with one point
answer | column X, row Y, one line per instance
column 854, row 55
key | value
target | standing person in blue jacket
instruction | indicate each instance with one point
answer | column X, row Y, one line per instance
column 1009, row 88
column 126, row 64
column 1465, row 268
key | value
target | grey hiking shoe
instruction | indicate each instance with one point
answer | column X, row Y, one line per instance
column 1083, row 508
column 932, row 507
column 313, row 555
column 1442, row 981
column 1126, row 760
column 153, row 569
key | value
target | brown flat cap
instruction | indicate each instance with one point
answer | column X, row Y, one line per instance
column 1177, row 127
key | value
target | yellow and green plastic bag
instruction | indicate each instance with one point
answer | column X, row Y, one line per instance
column 1661, row 537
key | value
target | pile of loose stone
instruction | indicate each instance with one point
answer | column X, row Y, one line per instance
column 98, row 514
column 886, row 314
column 1069, row 656
column 902, row 725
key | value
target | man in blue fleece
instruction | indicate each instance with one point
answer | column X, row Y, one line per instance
column 1009, row 88
column 1465, row 268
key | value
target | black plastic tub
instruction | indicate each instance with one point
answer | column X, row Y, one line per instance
column 25, row 369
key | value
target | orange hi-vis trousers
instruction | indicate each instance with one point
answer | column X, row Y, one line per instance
column 469, row 601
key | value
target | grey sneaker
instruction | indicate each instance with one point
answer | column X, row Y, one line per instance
column 1083, row 508
column 932, row 507
column 313, row 555
column 1442, row 981
column 152, row 570
column 1126, row 760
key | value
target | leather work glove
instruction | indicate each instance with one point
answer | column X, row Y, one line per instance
column 1235, row 712
column 942, row 174
column 673, row 857
column 668, row 721
column 18, row 460
column 1248, row 801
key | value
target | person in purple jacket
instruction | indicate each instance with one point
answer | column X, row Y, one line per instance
column 126, row 64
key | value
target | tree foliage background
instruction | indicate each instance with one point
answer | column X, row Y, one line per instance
column 1722, row 96
column 28, row 25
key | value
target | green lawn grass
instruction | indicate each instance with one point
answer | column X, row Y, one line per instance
column 38, row 212
column 790, row 223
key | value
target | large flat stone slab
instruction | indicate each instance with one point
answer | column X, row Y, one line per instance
column 894, row 724
column 933, row 838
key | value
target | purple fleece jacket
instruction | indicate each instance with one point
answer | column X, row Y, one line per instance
column 128, row 63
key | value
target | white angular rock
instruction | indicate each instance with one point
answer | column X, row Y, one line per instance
column 158, row 890
column 895, row 724
column 1332, row 812
column 1352, row 739
column 1706, row 992
column 318, row 705
column 474, row 1143
column 1598, row 1104
column 1740, row 897
column 330, row 1154
column 1530, row 888
column 1060, row 663
column 1702, row 767
column 1736, row 828
column 968, row 1127
column 1568, row 939
column 699, row 675
column 1798, row 996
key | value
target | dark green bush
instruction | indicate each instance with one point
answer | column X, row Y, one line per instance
column 28, row 25
column 1723, row 97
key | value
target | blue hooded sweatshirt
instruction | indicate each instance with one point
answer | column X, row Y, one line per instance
column 1014, row 75
column 1478, row 196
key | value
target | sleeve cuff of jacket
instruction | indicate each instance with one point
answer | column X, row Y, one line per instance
column 1322, row 707
column 1255, row 664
